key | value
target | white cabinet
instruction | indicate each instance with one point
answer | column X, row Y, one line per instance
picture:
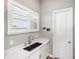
column 27, row 58
column 35, row 55
column 47, row 48
column 45, row 51
column 42, row 53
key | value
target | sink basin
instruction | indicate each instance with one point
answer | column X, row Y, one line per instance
column 33, row 46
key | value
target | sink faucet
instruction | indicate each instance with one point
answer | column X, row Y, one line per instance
column 30, row 38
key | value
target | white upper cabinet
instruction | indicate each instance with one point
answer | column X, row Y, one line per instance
column 21, row 19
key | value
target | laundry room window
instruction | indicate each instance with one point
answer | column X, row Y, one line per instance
column 21, row 19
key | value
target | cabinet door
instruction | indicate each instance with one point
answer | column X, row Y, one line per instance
column 47, row 47
column 27, row 58
column 35, row 55
column 43, row 52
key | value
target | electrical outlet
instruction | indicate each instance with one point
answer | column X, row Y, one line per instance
column 11, row 42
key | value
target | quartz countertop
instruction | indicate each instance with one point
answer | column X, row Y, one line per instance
column 18, row 52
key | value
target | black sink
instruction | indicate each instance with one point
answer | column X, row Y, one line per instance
column 33, row 46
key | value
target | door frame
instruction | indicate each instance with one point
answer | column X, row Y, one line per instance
column 62, row 10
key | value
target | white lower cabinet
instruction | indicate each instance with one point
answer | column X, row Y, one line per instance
column 47, row 48
column 27, row 58
column 35, row 55
column 44, row 52
column 41, row 53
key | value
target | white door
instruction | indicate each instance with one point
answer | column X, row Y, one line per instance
column 63, row 33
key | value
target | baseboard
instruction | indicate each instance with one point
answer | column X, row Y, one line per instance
column 53, row 57
column 50, row 55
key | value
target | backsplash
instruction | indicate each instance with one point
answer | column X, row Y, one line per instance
column 14, row 40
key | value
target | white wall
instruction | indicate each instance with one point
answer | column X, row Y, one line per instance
column 32, row 4
column 20, row 38
column 47, row 7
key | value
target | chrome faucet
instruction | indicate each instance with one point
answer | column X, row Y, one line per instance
column 30, row 38
column 29, row 41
